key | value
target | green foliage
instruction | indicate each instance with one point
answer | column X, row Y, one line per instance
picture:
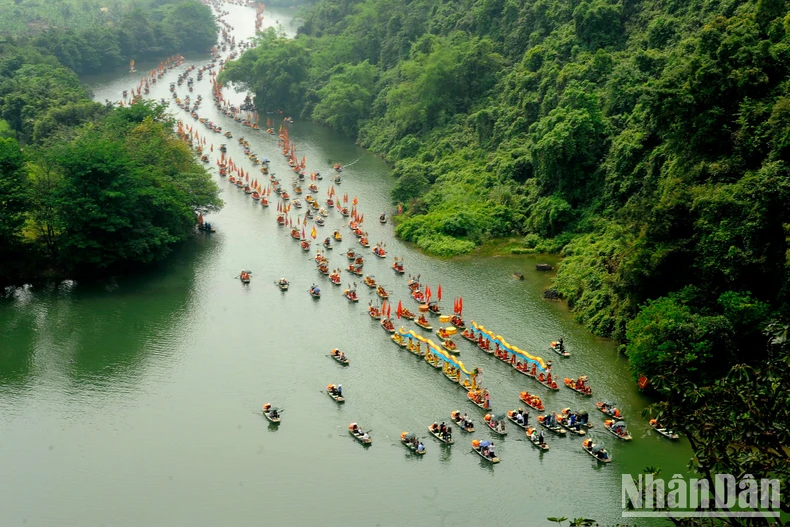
column 13, row 196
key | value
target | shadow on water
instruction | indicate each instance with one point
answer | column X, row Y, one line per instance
column 49, row 331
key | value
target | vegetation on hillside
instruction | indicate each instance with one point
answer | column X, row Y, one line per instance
column 90, row 36
column 95, row 186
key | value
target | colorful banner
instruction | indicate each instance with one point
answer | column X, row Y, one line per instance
column 480, row 331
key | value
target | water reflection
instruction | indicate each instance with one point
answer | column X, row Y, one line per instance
column 100, row 335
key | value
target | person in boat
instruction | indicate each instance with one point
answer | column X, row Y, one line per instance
column 339, row 390
column 420, row 447
column 273, row 414
column 541, row 438
column 491, row 452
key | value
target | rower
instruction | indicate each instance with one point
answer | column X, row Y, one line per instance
column 541, row 437
column 339, row 390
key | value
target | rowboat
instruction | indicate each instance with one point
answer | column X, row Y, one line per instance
column 418, row 295
column 245, row 278
column 469, row 335
column 464, row 424
column 577, row 428
column 481, row 449
column 337, row 236
column 379, row 251
column 335, row 393
column 374, row 312
column 617, row 429
column 350, row 254
column 511, row 414
column 458, row 322
column 382, row 292
column 339, row 356
column 434, row 308
column 398, row 266
column 335, row 278
column 423, row 323
column 383, row 218
column 496, row 423
column 669, row 434
column 547, row 422
column 359, row 434
column 438, row 435
column 579, row 385
column 351, row 294
column 559, row 348
column 354, row 270
column 408, row 315
column 477, row 397
column 433, row 360
column 271, row 413
column 596, row 451
column 451, row 373
column 370, row 281
column 609, row 409
column 398, row 339
column 536, row 440
column 533, row 401
column 450, row 346
column 282, row 283
column 388, row 326
column 314, row 291
column 412, row 443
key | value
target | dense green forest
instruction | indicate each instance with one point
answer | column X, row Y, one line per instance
column 88, row 37
column 84, row 186
column 645, row 141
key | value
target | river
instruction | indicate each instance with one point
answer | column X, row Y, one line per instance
column 135, row 400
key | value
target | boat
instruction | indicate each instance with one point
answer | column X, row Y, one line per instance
column 351, row 294
column 435, row 431
column 328, row 244
column 336, row 393
column 387, row 324
column 335, row 278
column 617, row 429
column 458, row 322
column 669, row 434
column 339, row 356
column 462, row 421
column 573, row 423
column 374, row 312
column 351, row 255
column 479, row 399
column 337, row 236
column 423, row 323
column 419, row 296
column 450, row 346
column 398, row 339
column 609, row 409
column 579, row 385
column 434, row 308
column 370, row 281
column 364, row 242
column 282, row 283
column 359, row 434
column 271, row 413
column 353, row 269
column 379, row 251
column 596, row 451
column 496, row 423
column 548, row 422
column 411, row 442
column 469, row 335
column 535, row 440
column 383, row 218
column 408, row 315
column 558, row 347
column 398, row 266
column 314, row 291
column 382, row 292
column 512, row 415
column 533, row 401
column 244, row 277
column 323, row 268
column 482, row 450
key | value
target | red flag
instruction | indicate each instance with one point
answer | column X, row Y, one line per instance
column 355, row 201
column 427, row 294
column 439, row 292
column 399, row 311
column 303, row 232
column 460, row 306
column 389, row 309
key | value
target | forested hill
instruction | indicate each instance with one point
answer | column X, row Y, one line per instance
column 647, row 141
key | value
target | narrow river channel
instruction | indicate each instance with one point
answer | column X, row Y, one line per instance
column 136, row 400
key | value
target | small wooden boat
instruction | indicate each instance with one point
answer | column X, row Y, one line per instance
column 335, row 393
column 609, row 409
column 533, row 401
column 419, row 296
column 469, row 335
column 382, row 292
column 511, row 414
column 564, row 421
column 271, row 413
column 388, row 326
column 398, row 266
column 370, row 281
column 379, row 251
column 351, row 255
column 464, row 424
column 339, row 356
column 408, row 315
column 351, row 294
column 383, row 218
column 558, row 347
column 434, row 309
column 450, row 346
column 496, row 423
column 337, row 236
column 283, row 284
column 596, row 451
column 536, row 440
column 411, row 442
column 374, row 312
column 458, row 322
column 579, row 385
column 477, row 397
column 398, row 339
column 438, row 435
column 669, row 434
column 357, row 270
column 359, row 434
column 245, row 278
column 335, row 278
column 423, row 323
column 480, row 448
column 553, row 427
column 617, row 429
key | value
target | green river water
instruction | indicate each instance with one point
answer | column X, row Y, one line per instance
column 135, row 400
